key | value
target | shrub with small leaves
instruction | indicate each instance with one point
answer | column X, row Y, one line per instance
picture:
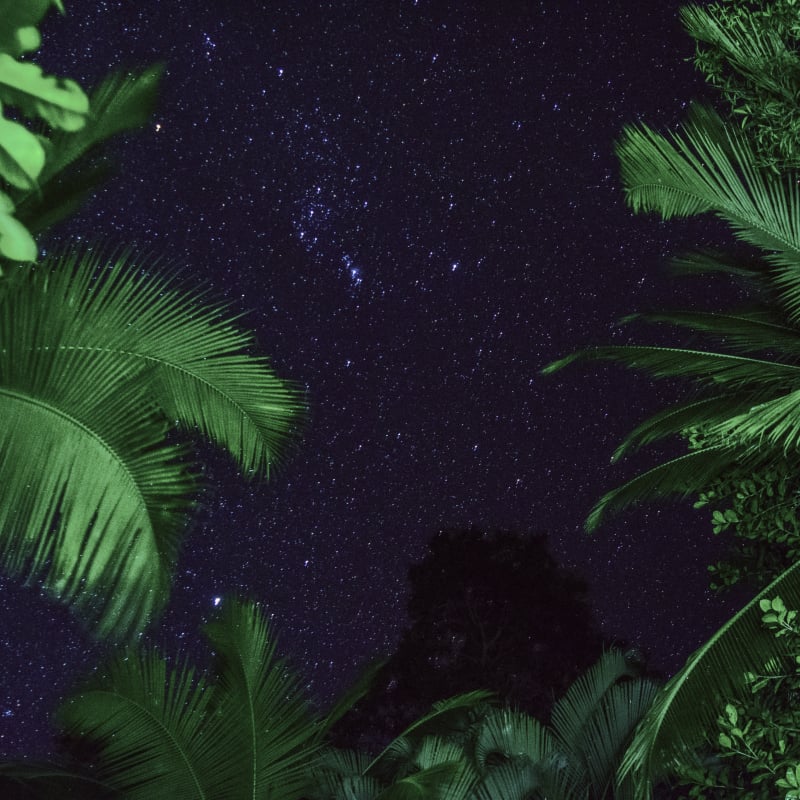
column 755, row 752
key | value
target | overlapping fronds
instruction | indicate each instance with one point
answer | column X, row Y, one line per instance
column 593, row 722
column 705, row 367
column 148, row 720
column 679, row 476
column 710, row 168
column 675, row 419
column 123, row 101
column 163, row 732
column 751, row 330
column 262, row 721
column 688, row 706
column 97, row 362
column 444, row 715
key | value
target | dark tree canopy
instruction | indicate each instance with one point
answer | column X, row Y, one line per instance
column 488, row 610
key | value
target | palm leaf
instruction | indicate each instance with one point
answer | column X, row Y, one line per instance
column 773, row 424
column 711, row 168
column 148, row 722
column 747, row 44
column 93, row 504
column 676, row 419
column 704, row 262
column 422, row 785
column 121, row 102
column 704, row 367
column 202, row 375
column 511, row 734
column 679, row 476
column 572, row 712
column 688, row 706
column 266, row 736
column 443, row 717
column 162, row 732
column 608, row 733
column 749, row 331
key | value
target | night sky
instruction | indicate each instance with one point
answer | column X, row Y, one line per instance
column 417, row 205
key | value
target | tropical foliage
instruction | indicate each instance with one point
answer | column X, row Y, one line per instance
column 468, row 750
column 62, row 104
column 155, row 727
column 742, row 419
column 756, row 753
column 749, row 51
column 99, row 360
column 34, row 190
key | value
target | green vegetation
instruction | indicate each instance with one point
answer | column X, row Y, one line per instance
column 93, row 500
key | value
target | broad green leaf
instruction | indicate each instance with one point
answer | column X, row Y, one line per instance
column 58, row 101
column 21, row 154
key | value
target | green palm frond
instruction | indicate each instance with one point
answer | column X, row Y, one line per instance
column 592, row 723
column 521, row 779
column 202, row 375
column 572, row 712
column 267, row 736
column 512, row 734
column 608, row 733
column 162, row 732
column 710, row 168
column 423, row 785
column 771, row 425
column 680, row 476
column 445, row 716
column 92, row 503
column 148, row 721
column 749, row 331
column 747, row 44
column 705, row 367
column 676, row 419
column 704, row 262
column 688, row 706
column 92, row 500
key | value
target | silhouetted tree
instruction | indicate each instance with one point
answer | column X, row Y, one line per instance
column 488, row 610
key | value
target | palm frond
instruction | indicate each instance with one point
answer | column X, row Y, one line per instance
column 426, row 783
column 122, row 102
column 688, row 706
column 202, row 375
column 679, row 476
column 705, row 262
column 520, row 779
column 266, row 735
column 93, row 503
column 572, row 712
column 444, row 716
column 705, row 367
column 511, row 734
column 771, row 425
column 711, row 169
column 148, row 721
column 675, row 419
column 747, row 44
column 608, row 733
column 162, row 732
column 748, row 331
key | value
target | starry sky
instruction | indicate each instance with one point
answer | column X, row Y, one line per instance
column 416, row 204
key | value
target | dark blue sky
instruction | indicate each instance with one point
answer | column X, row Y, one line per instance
column 417, row 205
